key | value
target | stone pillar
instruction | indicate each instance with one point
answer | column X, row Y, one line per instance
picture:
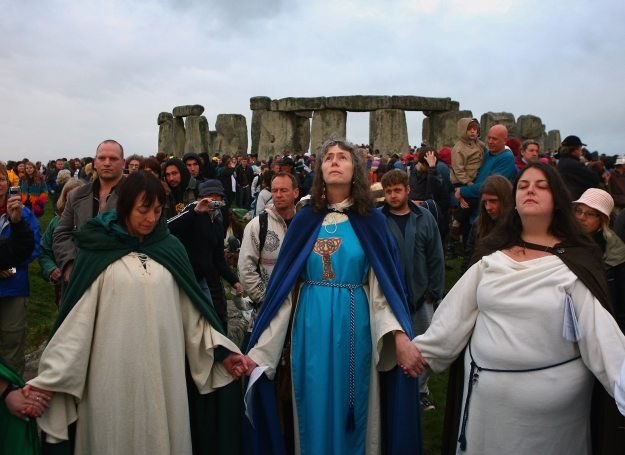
column 387, row 131
column 302, row 134
column 498, row 118
column 553, row 141
column 166, row 138
column 179, row 136
column 258, row 105
column 231, row 136
column 440, row 129
column 196, row 139
column 327, row 124
column 531, row 127
column 277, row 134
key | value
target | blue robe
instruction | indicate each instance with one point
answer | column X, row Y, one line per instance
column 399, row 395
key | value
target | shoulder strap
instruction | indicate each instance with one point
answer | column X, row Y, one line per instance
column 263, row 219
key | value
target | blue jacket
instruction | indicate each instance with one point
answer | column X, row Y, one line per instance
column 17, row 286
column 500, row 164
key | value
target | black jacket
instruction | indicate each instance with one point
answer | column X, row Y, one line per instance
column 578, row 178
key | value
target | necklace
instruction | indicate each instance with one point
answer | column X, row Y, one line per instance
column 331, row 218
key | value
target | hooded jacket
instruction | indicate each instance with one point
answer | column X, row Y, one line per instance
column 185, row 193
column 467, row 155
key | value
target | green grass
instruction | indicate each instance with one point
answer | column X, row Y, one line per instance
column 42, row 314
column 42, row 311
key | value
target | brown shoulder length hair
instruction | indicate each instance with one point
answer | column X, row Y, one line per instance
column 499, row 186
column 360, row 194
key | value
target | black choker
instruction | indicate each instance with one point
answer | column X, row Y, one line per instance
column 547, row 249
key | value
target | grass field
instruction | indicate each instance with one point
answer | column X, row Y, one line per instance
column 42, row 314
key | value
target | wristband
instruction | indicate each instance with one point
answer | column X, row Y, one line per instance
column 10, row 388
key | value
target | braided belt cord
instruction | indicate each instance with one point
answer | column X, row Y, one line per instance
column 352, row 342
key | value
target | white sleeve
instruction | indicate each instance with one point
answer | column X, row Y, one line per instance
column 602, row 344
column 453, row 322
column 619, row 391
column 248, row 262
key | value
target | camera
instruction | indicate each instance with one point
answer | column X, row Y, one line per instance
column 14, row 191
column 216, row 204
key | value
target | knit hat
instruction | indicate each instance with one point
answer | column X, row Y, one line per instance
column 597, row 199
column 211, row 186
column 620, row 160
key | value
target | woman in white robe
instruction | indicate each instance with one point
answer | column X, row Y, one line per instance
column 535, row 334
column 116, row 362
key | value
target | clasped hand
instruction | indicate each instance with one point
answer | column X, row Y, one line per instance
column 409, row 358
column 28, row 401
column 238, row 365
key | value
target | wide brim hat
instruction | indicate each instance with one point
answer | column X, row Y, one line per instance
column 597, row 199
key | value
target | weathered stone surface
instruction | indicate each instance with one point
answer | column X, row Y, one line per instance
column 164, row 117
column 358, row 103
column 190, row 109
column 388, row 132
column 231, row 134
column 422, row 103
column 302, row 134
column 327, row 124
column 440, row 129
column 530, row 127
column 260, row 102
column 212, row 142
column 307, row 114
column 277, row 134
column 196, row 138
column 256, row 126
column 298, row 104
column 179, row 136
column 553, row 141
column 167, row 137
column 498, row 118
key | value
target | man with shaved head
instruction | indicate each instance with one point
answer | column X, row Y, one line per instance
column 497, row 161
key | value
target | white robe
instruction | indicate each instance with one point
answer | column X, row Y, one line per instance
column 116, row 364
column 513, row 314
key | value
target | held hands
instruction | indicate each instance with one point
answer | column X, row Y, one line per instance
column 238, row 365
column 409, row 358
column 28, row 402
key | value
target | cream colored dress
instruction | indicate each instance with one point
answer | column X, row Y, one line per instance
column 116, row 364
column 513, row 314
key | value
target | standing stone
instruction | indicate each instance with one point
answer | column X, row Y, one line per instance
column 166, row 137
column 212, row 142
column 277, row 134
column 327, row 124
column 530, row 127
column 262, row 103
column 231, row 134
column 553, row 141
column 498, row 118
column 257, row 116
column 196, row 134
column 388, row 132
column 440, row 129
column 302, row 134
column 185, row 111
column 179, row 137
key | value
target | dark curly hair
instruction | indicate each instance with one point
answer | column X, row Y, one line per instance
column 360, row 194
column 563, row 225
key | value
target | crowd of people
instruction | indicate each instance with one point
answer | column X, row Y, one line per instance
column 340, row 272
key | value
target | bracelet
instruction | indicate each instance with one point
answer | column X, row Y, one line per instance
column 10, row 388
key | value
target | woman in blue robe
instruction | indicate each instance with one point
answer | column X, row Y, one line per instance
column 336, row 298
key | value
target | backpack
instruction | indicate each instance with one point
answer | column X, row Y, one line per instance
column 263, row 220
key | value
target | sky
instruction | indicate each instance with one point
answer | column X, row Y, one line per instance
column 73, row 73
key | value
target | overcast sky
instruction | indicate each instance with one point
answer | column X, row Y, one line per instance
column 73, row 73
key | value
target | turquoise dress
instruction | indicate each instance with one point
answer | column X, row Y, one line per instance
column 331, row 345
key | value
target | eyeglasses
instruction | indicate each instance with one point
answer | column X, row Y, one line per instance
column 580, row 212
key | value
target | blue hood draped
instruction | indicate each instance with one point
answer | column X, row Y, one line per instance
column 399, row 394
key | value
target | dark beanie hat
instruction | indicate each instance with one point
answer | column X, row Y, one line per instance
column 211, row 186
